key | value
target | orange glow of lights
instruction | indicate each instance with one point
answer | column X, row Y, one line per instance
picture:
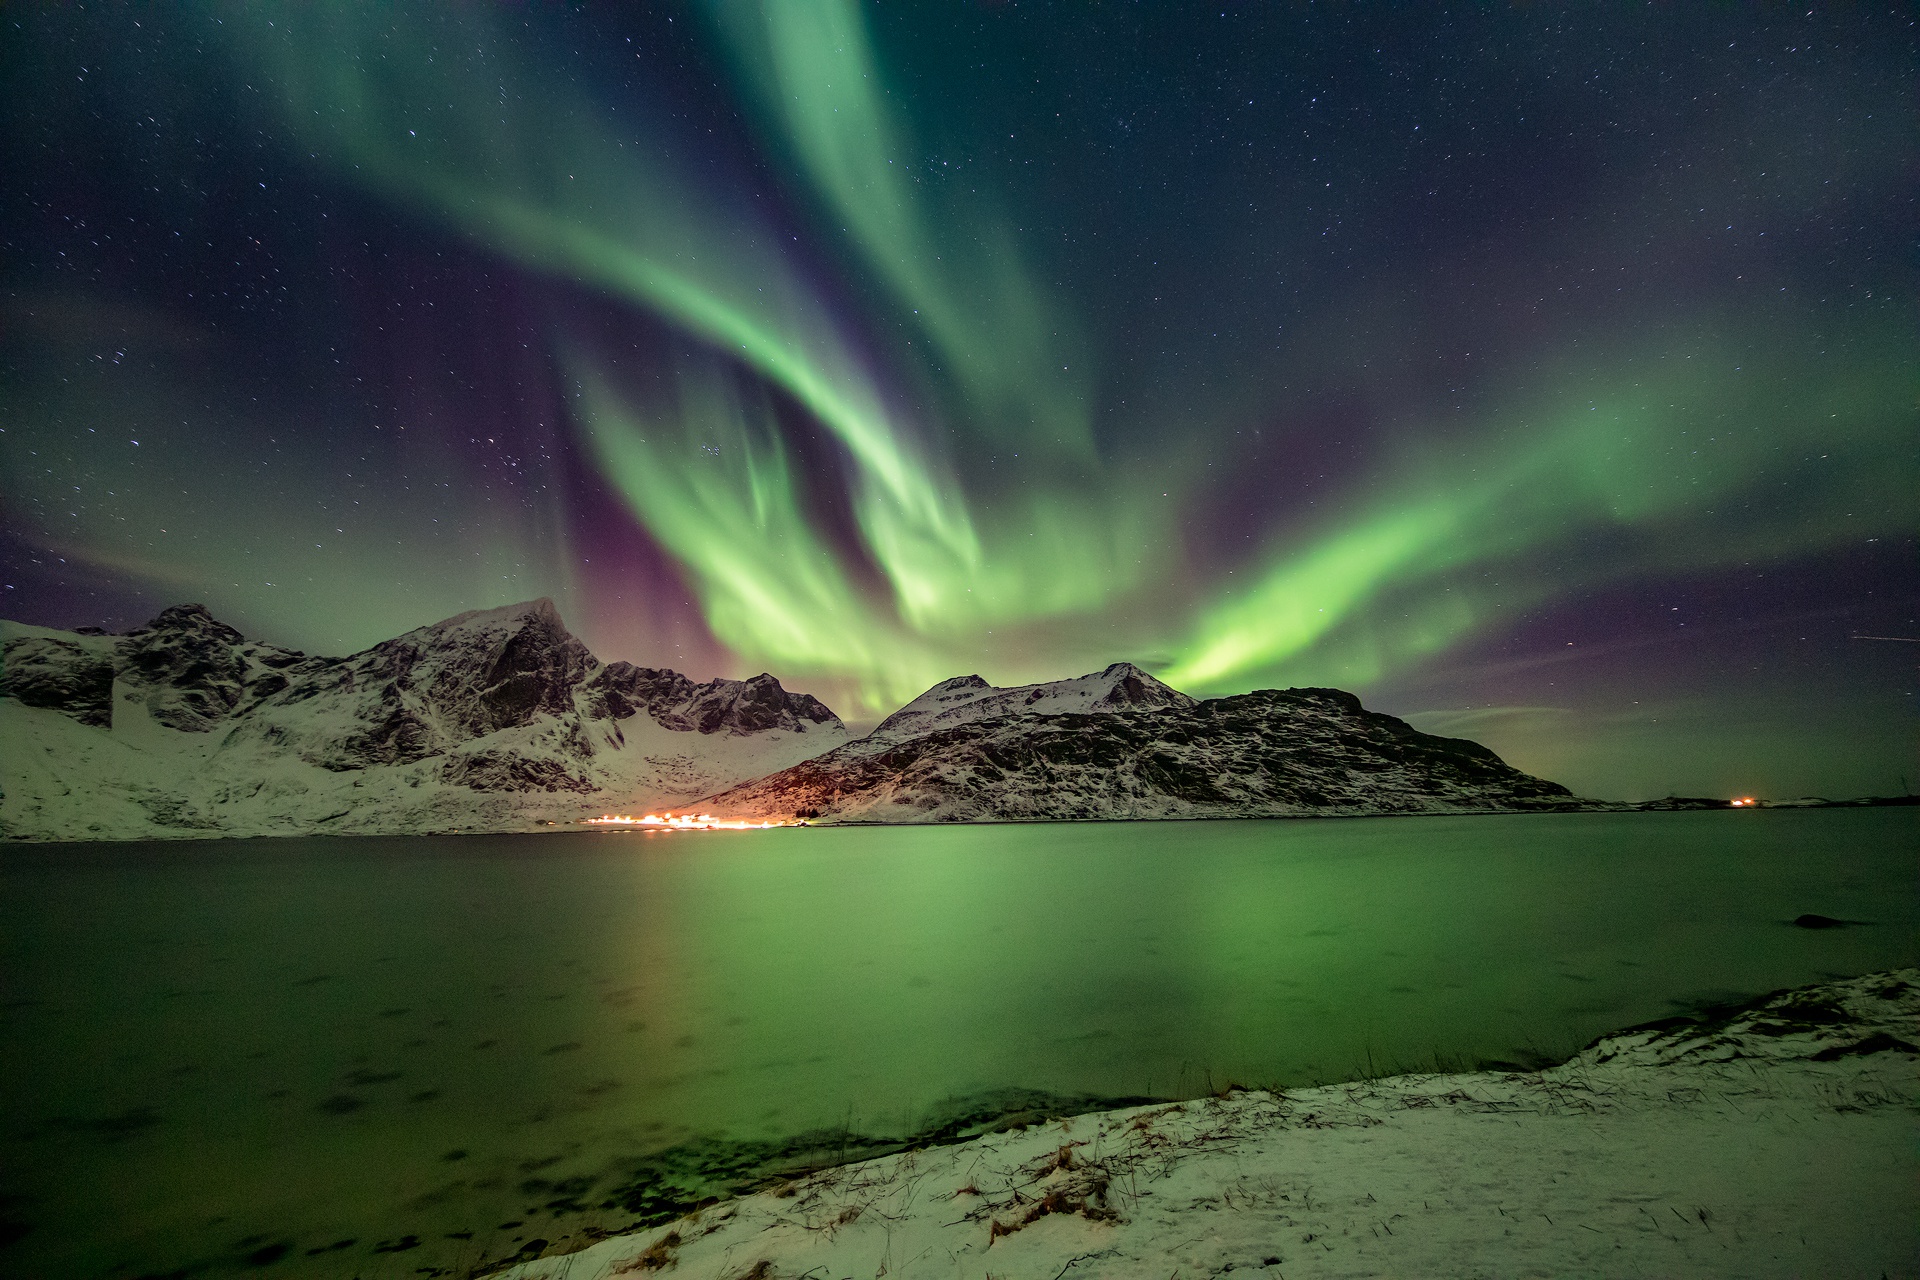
column 682, row 822
column 1746, row 802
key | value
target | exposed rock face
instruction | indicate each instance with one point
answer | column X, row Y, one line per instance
column 511, row 771
column 193, row 671
column 189, row 671
column 489, row 720
column 1139, row 750
column 423, row 693
column 73, row 676
column 719, row 706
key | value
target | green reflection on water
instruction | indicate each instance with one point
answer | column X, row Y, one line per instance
column 221, row 1049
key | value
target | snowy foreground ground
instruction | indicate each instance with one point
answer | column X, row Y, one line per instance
column 1779, row 1140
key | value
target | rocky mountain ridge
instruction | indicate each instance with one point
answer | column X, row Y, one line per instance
column 501, row 720
column 1119, row 744
column 492, row 720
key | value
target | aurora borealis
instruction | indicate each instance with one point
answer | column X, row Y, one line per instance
column 1547, row 376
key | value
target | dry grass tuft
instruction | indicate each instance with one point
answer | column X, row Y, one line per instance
column 657, row 1256
column 1089, row 1201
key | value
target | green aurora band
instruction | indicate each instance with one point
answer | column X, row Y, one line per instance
column 1685, row 456
column 1644, row 464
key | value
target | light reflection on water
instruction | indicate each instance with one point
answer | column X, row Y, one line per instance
column 214, row 1051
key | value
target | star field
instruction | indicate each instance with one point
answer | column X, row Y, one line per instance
column 1544, row 376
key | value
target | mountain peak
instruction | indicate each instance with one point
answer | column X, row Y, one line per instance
column 964, row 699
column 487, row 669
column 193, row 618
column 1132, row 687
column 189, row 664
column 539, row 610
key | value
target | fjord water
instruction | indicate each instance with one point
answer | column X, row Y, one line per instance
column 227, row 1057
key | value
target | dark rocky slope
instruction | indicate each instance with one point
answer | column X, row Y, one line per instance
column 1271, row 753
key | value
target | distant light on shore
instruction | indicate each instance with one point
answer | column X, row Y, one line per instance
column 682, row 822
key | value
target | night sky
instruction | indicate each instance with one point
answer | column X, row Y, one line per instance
column 1546, row 374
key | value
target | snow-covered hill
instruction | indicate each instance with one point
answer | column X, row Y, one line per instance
column 1120, row 744
column 964, row 699
column 497, row 720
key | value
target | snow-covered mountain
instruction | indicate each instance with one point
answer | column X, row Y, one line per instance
column 490, row 721
column 501, row 720
column 1120, row 744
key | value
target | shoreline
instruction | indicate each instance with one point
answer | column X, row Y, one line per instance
column 1777, row 1138
column 10, row 839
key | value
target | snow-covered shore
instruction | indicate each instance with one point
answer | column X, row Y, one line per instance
column 1781, row 1139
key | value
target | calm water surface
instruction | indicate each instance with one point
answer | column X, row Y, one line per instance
column 226, row 1058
